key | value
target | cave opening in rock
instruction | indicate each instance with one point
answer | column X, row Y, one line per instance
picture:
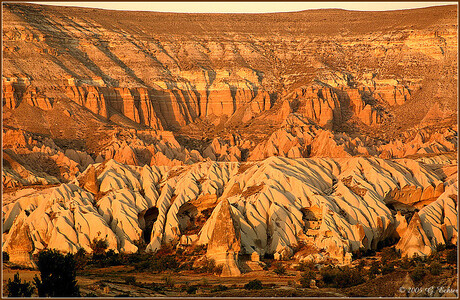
column 191, row 219
column 150, row 216
column 311, row 218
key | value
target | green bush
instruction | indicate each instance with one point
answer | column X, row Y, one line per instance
column 435, row 268
column 57, row 275
column 452, row 257
column 418, row 273
column 16, row 288
column 255, row 284
column 279, row 269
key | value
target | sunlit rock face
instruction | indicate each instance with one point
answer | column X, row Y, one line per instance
column 165, row 77
column 241, row 134
column 335, row 206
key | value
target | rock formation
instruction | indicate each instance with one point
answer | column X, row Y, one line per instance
column 273, row 205
column 308, row 142
column 225, row 245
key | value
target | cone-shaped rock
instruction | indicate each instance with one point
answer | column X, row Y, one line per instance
column 225, row 242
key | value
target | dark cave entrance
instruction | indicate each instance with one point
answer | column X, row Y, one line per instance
column 150, row 216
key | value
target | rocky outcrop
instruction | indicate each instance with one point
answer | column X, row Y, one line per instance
column 20, row 245
column 225, row 245
column 333, row 205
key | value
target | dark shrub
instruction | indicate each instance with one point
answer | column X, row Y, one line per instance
column 341, row 278
column 387, row 268
column 130, row 280
column 361, row 252
column 406, row 263
column 348, row 277
column 440, row 247
column 304, row 266
column 306, row 278
column 374, row 269
column 328, row 274
column 219, row 288
column 111, row 258
column 416, row 259
column 163, row 263
column 389, row 254
column 452, row 257
column 169, row 282
column 141, row 245
column 255, row 284
column 435, row 268
column 5, row 256
column 99, row 246
column 192, row 289
column 57, row 275
column 16, row 288
column 418, row 273
column 81, row 259
column 279, row 269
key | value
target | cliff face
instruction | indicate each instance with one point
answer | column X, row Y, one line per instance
column 145, row 67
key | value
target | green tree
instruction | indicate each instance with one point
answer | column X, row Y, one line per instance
column 18, row 289
column 57, row 275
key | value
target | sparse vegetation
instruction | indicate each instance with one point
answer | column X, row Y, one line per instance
column 341, row 277
column 306, row 278
column 279, row 269
column 131, row 280
column 255, row 284
column 17, row 288
column 418, row 273
column 168, row 281
column 451, row 257
column 192, row 289
column 435, row 268
column 219, row 288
